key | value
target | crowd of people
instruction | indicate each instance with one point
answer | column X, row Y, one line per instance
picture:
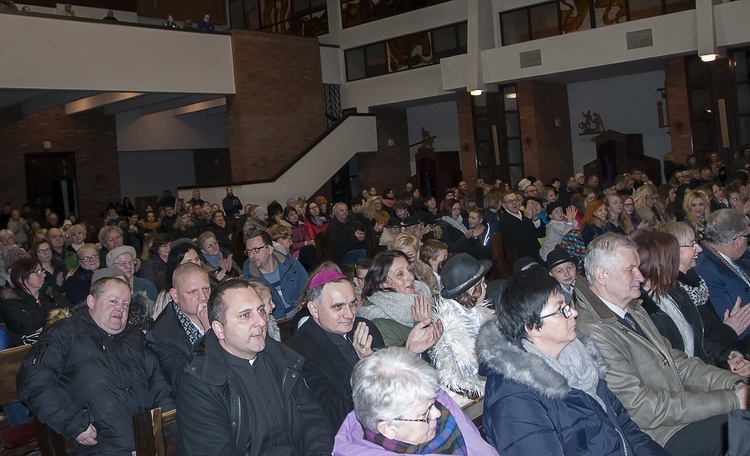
column 332, row 328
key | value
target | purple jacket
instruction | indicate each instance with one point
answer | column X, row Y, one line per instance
column 350, row 438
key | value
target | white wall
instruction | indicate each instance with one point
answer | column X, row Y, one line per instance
column 150, row 173
column 72, row 55
column 163, row 131
column 627, row 104
column 441, row 120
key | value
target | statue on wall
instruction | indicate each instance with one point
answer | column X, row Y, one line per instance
column 592, row 124
column 661, row 108
column 427, row 140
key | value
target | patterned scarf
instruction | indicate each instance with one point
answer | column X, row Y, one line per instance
column 448, row 438
column 190, row 329
column 698, row 293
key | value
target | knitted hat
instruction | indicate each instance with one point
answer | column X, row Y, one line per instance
column 552, row 206
column 579, row 175
column 524, row 184
column 260, row 210
column 114, row 254
column 12, row 255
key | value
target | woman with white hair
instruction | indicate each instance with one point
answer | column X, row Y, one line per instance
column 400, row 409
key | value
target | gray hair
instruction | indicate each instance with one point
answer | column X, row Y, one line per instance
column 725, row 225
column 390, row 383
column 602, row 253
column 681, row 230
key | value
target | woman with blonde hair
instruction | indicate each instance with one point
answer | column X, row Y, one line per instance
column 410, row 245
column 648, row 206
column 697, row 208
column 618, row 219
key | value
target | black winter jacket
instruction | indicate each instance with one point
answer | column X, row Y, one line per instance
column 214, row 419
column 23, row 315
column 77, row 374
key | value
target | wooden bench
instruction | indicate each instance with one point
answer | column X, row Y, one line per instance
column 22, row 438
column 503, row 256
column 155, row 433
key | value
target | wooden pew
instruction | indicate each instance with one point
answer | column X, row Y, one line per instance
column 22, row 438
column 155, row 433
column 502, row 256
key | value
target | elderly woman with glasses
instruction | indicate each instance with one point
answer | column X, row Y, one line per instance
column 545, row 390
column 26, row 305
column 78, row 283
column 399, row 408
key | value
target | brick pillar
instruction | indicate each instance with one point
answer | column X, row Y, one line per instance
column 390, row 165
column 550, row 153
column 466, row 135
column 90, row 135
column 678, row 107
column 277, row 109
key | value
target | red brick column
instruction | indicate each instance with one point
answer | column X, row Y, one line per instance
column 678, row 107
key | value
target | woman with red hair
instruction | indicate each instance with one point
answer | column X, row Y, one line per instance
column 595, row 221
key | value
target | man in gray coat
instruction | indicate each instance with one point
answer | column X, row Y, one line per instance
column 679, row 401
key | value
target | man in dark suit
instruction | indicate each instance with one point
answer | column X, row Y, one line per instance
column 720, row 264
column 521, row 229
column 182, row 322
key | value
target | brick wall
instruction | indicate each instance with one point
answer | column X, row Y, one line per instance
column 550, row 154
column 678, row 107
column 90, row 135
column 466, row 136
column 390, row 165
column 278, row 107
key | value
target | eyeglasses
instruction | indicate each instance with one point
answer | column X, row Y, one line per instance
column 255, row 250
column 418, row 420
column 39, row 272
column 747, row 235
column 93, row 257
column 114, row 238
column 123, row 264
column 211, row 245
column 566, row 311
column 43, row 251
column 511, row 201
column 693, row 245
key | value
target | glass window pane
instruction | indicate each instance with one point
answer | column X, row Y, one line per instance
column 355, row 64
column 743, row 98
column 398, row 54
column 420, row 49
column 515, row 153
column 444, row 39
column 574, row 17
column 674, row 6
column 509, row 98
column 462, row 36
column 252, row 15
column 318, row 4
column 516, row 174
column 745, row 130
column 610, row 13
column 511, row 124
column 275, row 12
column 376, row 59
column 641, row 9
column 699, row 101
column 741, row 72
column 482, row 128
column 300, row 7
column 544, row 21
column 703, row 134
column 351, row 13
column 515, row 27
column 697, row 72
column 485, row 155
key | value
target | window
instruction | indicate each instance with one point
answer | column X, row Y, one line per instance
column 298, row 17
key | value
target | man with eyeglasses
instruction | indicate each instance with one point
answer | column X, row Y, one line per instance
column 182, row 322
column 284, row 275
column 521, row 230
column 123, row 259
column 679, row 401
column 78, row 284
column 110, row 237
column 720, row 264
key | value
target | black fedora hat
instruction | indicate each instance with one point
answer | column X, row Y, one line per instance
column 560, row 256
column 460, row 273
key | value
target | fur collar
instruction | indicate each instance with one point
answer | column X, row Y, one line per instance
column 514, row 363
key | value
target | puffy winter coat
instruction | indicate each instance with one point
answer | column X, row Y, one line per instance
column 77, row 374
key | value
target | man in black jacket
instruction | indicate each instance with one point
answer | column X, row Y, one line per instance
column 182, row 322
column 243, row 393
column 522, row 229
column 88, row 375
column 346, row 236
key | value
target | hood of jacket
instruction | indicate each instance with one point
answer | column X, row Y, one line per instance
column 513, row 362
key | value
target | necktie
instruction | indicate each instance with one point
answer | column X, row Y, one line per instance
column 630, row 321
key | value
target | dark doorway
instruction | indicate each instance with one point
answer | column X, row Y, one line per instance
column 51, row 183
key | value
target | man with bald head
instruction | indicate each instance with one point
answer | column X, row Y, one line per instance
column 183, row 321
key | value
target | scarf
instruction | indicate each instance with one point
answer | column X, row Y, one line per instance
column 455, row 223
column 213, row 260
column 317, row 220
column 393, row 306
column 448, row 438
column 190, row 329
column 575, row 364
column 698, row 292
column 669, row 307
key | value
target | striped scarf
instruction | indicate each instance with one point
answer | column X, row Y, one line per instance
column 448, row 438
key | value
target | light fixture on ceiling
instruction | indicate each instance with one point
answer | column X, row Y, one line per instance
column 708, row 49
column 476, row 93
column 709, row 57
column 511, row 95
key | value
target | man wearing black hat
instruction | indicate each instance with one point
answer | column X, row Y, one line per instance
column 562, row 266
column 391, row 230
column 413, row 225
column 560, row 222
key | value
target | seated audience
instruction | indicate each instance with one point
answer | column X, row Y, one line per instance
column 563, row 266
column 123, row 259
column 400, row 408
column 219, row 262
column 78, row 282
column 521, row 230
column 434, row 253
column 647, row 205
column 696, row 209
column 595, row 221
column 560, row 222
column 410, row 246
column 155, row 267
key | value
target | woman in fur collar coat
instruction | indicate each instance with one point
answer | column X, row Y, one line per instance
column 545, row 390
column 462, row 311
